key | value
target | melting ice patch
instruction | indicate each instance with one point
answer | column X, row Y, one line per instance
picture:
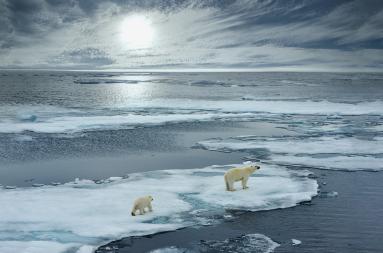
column 340, row 153
column 82, row 214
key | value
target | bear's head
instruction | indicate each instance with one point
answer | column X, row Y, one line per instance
column 150, row 198
column 254, row 168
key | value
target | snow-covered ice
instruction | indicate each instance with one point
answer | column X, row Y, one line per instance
column 83, row 214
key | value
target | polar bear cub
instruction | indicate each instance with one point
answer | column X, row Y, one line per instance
column 141, row 203
column 239, row 174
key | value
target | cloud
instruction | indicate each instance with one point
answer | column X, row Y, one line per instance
column 84, row 57
column 314, row 35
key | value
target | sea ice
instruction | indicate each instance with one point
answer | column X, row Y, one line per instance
column 295, row 242
column 338, row 153
column 346, row 163
column 49, row 119
column 85, row 214
column 298, row 145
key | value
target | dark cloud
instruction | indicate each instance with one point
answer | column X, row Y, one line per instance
column 86, row 57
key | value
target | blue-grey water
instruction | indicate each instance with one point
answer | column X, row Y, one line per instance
column 69, row 127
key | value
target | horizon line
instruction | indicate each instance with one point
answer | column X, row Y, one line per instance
column 199, row 70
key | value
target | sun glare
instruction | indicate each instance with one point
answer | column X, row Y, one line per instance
column 136, row 32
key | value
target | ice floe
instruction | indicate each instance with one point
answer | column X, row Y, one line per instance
column 298, row 145
column 348, row 163
column 83, row 214
column 49, row 119
column 295, row 242
column 339, row 153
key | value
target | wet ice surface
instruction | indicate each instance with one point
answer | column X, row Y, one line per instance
column 91, row 214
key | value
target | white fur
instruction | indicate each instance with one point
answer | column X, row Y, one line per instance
column 141, row 203
column 239, row 174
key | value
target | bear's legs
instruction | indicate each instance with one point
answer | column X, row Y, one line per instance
column 142, row 211
column 231, row 185
column 244, row 182
column 150, row 208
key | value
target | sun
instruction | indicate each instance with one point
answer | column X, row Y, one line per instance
column 137, row 32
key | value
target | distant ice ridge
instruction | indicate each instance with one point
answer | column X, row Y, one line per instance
column 80, row 215
column 49, row 119
column 339, row 153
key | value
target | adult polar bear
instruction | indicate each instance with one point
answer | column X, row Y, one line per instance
column 239, row 174
column 141, row 203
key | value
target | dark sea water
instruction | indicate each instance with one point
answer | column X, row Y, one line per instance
column 76, row 149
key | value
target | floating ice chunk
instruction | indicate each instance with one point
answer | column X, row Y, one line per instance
column 10, row 187
column 295, row 242
column 171, row 249
column 38, row 185
column 55, row 183
column 244, row 244
column 111, row 179
column 332, row 194
column 66, row 217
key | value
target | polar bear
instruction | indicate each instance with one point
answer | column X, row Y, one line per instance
column 142, row 203
column 239, row 174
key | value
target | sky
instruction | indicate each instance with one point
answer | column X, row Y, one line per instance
column 301, row 35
